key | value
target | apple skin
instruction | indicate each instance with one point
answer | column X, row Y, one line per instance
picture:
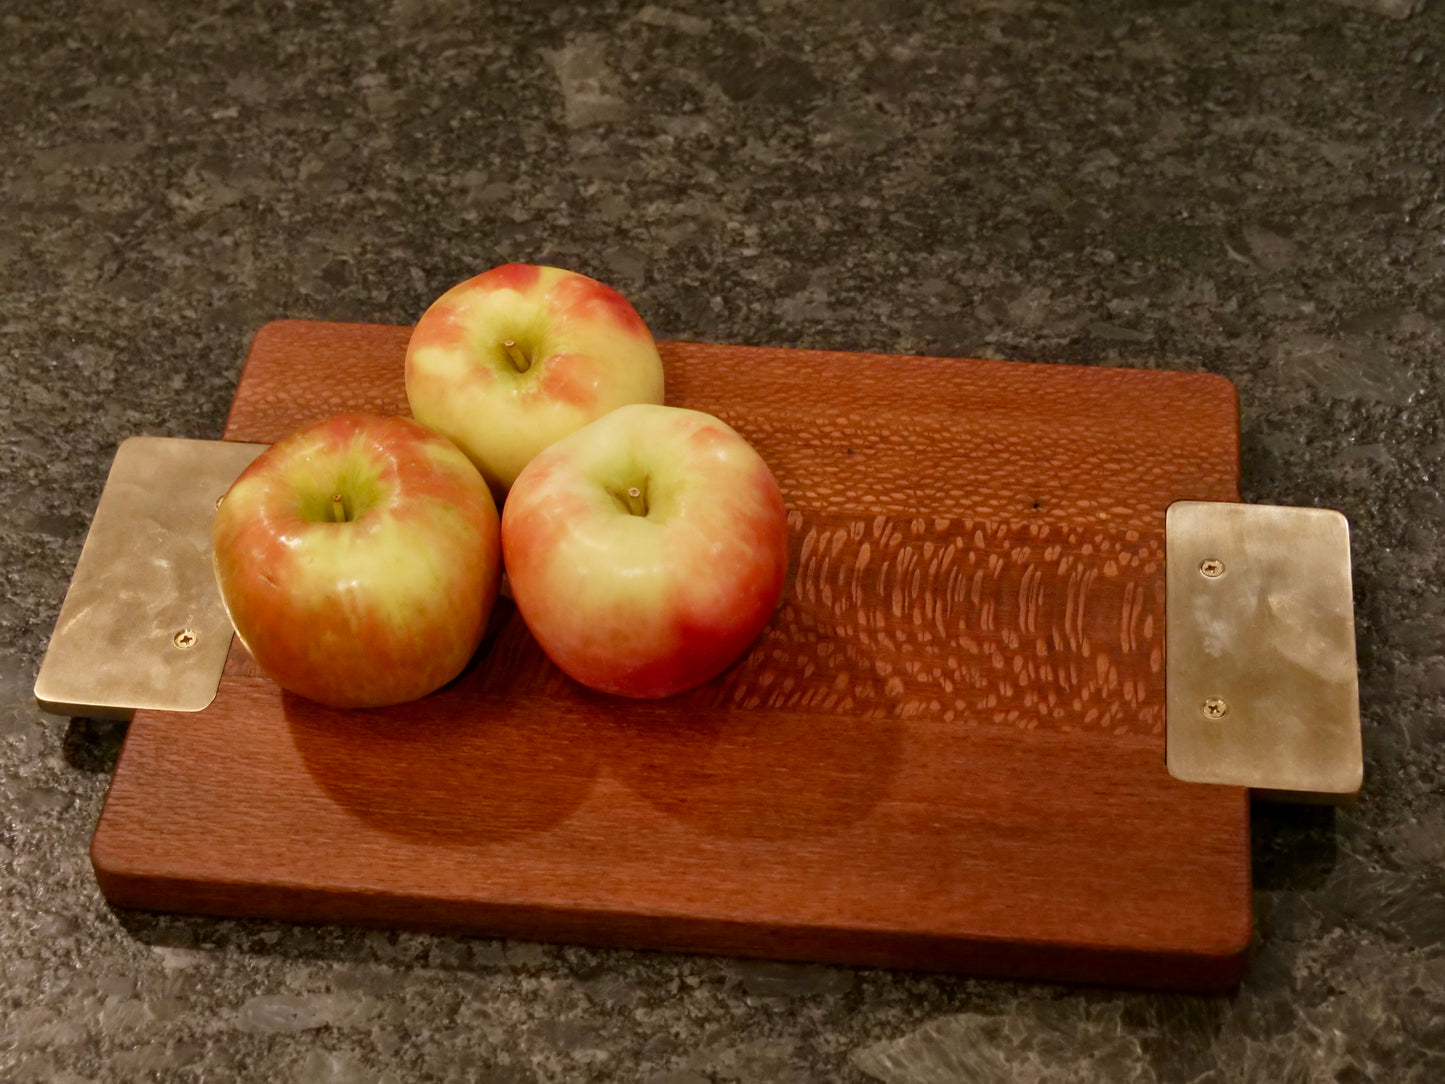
column 586, row 350
column 646, row 605
column 382, row 608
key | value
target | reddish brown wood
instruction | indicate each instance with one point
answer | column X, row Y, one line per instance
column 946, row 752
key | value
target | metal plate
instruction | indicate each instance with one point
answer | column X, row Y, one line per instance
column 1262, row 686
column 142, row 625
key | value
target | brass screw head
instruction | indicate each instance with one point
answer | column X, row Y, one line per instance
column 1214, row 707
column 1212, row 567
column 185, row 639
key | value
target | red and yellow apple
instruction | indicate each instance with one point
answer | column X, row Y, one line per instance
column 647, row 550
column 520, row 356
column 359, row 559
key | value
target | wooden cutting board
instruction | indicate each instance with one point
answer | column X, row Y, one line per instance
column 946, row 752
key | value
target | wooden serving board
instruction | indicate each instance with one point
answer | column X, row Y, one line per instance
column 946, row 752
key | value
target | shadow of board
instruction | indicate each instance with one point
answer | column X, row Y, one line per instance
column 93, row 745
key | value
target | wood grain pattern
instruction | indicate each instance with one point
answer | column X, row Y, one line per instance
column 945, row 752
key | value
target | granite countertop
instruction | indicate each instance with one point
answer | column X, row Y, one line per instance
column 1256, row 190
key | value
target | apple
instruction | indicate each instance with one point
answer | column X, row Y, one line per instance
column 518, row 357
column 359, row 559
column 647, row 550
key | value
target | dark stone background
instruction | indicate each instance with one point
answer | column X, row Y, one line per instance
column 1253, row 189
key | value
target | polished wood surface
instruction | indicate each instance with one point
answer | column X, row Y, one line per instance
column 946, row 751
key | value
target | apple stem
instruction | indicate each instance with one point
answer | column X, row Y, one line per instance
column 636, row 501
column 633, row 499
column 338, row 509
column 514, row 352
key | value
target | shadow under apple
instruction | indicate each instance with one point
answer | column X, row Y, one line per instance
column 754, row 775
column 461, row 766
column 513, row 747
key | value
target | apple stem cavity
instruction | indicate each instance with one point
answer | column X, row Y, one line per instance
column 514, row 352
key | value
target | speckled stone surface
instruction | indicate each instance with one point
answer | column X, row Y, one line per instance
column 1252, row 189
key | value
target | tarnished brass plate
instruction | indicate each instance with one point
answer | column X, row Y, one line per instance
column 142, row 625
column 1262, row 686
